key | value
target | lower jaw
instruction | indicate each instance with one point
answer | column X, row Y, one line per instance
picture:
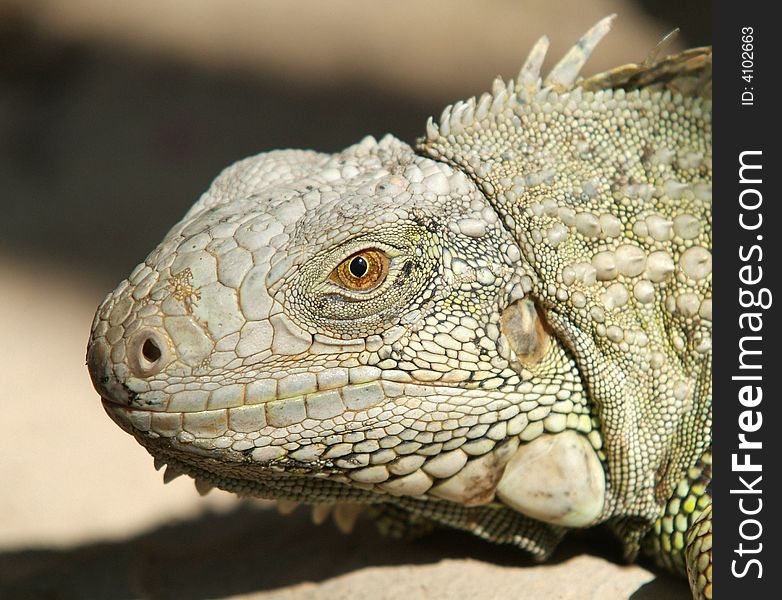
column 237, row 473
column 273, row 481
column 257, row 481
column 247, row 478
column 321, row 482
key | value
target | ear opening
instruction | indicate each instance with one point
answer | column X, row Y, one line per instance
column 523, row 326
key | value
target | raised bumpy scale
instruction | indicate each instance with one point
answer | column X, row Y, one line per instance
column 505, row 330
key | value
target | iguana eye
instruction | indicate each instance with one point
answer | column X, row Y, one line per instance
column 362, row 271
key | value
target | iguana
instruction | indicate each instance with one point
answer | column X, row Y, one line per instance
column 505, row 329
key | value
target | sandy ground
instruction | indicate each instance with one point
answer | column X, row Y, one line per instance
column 113, row 117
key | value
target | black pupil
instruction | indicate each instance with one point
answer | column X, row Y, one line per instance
column 358, row 267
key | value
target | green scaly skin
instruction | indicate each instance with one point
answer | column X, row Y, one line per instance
column 523, row 348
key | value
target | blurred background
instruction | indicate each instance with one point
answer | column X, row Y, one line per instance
column 114, row 117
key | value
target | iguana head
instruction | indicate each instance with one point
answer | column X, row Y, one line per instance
column 456, row 330
column 341, row 327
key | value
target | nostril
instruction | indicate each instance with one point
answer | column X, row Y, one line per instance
column 147, row 353
column 150, row 350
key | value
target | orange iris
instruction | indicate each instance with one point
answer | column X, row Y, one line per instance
column 362, row 271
